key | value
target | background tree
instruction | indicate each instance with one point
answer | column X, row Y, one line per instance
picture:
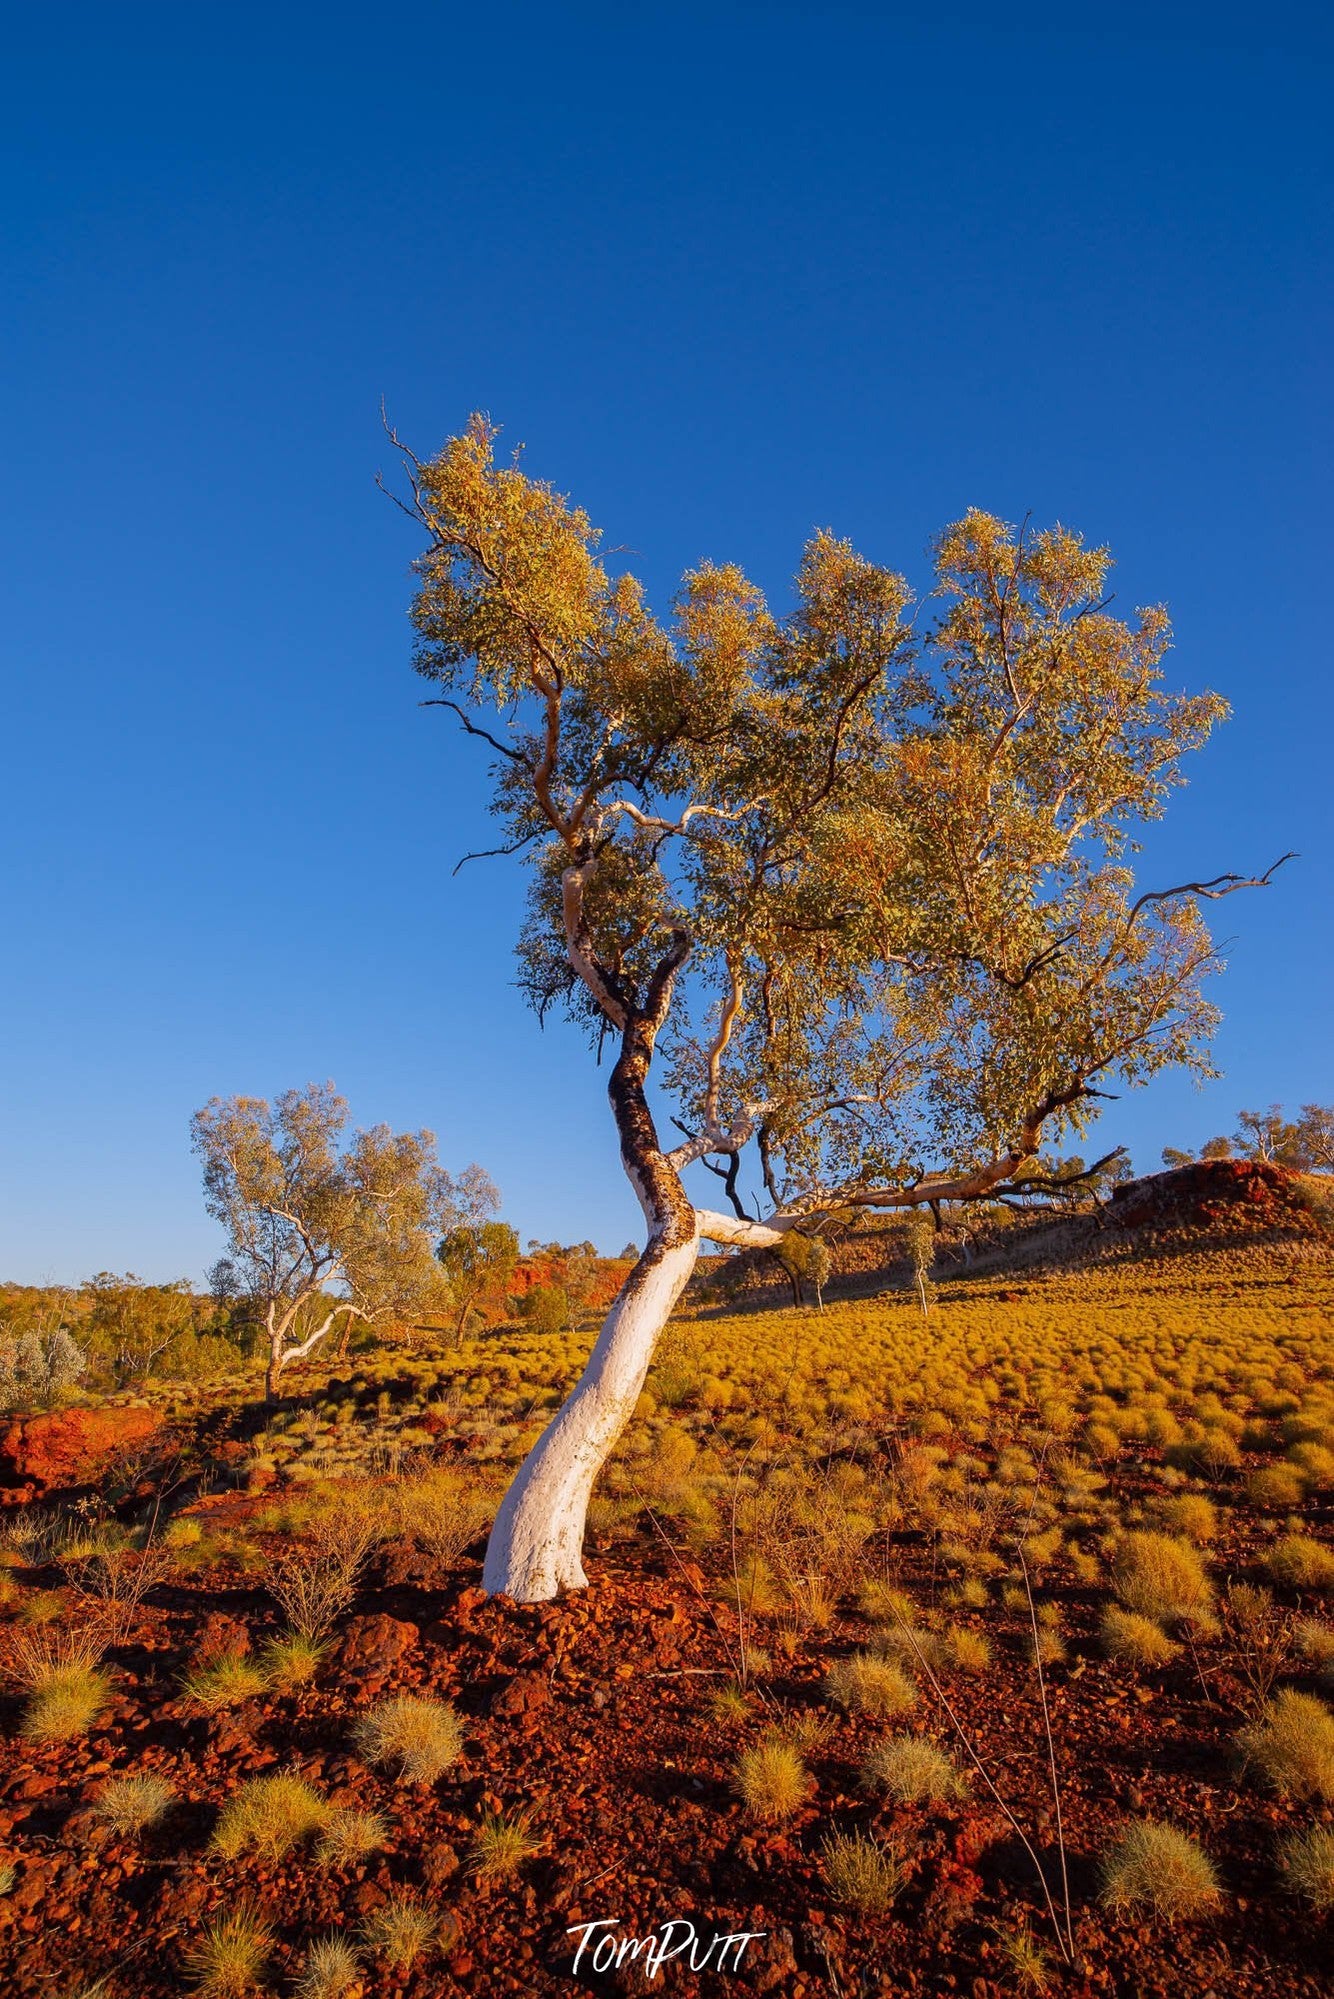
column 1266, row 1135
column 134, row 1324
column 546, row 1308
column 40, row 1358
column 321, row 1227
column 1315, row 1137
column 479, row 1259
column 1304, row 1143
column 920, row 1238
column 865, row 879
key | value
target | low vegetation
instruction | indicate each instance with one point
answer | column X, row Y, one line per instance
column 833, row 1535
column 420, row 1739
column 1160, row 1871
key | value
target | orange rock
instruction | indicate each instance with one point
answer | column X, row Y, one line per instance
column 67, row 1447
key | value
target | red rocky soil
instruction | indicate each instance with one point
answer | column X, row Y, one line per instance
column 66, row 1447
column 591, row 1713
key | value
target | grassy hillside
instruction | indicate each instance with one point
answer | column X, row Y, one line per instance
column 989, row 1650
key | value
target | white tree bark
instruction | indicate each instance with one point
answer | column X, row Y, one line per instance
column 536, row 1545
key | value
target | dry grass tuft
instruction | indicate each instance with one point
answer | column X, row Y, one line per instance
column 225, row 1682
column 772, row 1779
column 862, row 1874
column 424, row 1738
column 1162, row 1578
column 1291, row 1745
column 729, row 1704
column 268, row 1816
column 132, row 1804
column 966, row 1650
column 231, row 1954
column 1136, row 1640
column 1026, row 1961
column 1307, row 1859
column 1315, row 1642
column 1301, row 1562
column 291, row 1662
column 868, row 1684
column 331, row 1970
column 401, row 1931
column 1161, row 1870
column 913, row 1771
column 62, row 1676
column 502, row 1843
column 348, row 1835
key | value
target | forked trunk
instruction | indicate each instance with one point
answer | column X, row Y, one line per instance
column 536, row 1544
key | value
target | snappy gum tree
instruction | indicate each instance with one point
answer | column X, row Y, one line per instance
column 857, row 883
column 320, row 1227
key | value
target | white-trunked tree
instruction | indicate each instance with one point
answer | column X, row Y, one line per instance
column 864, row 882
column 322, row 1228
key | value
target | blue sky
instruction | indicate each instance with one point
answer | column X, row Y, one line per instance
column 729, row 273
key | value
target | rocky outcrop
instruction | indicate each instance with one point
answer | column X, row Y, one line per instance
column 1197, row 1196
column 63, row 1448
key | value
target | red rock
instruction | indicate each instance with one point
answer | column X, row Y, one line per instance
column 1199, row 1194
column 66, row 1447
column 371, row 1645
column 524, row 1694
column 218, row 1636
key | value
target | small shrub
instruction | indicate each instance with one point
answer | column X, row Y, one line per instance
column 291, row 1662
column 1162, row 1578
column 349, row 1835
column 1301, row 1562
column 772, row 1779
column 131, row 1804
column 866, row 1684
column 862, row 1874
column 1026, row 1961
column 1276, row 1488
column 1315, row 1642
column 330, row 1971
column 1307, row 1859
column 502, row 1843
column 229, row 1958
column 1046, row 1647
column 912, row 1770
column 225, row 1682
column 1136, row 1640
column 1291, row 1745
column 443, row 1511
column 728, row 1704
column 1159, row 1869
column 401, row 1931
column 314, row 1577
column 423, row 1737
column 268, row 1816
column 1190, row 1515
column 967, row 1651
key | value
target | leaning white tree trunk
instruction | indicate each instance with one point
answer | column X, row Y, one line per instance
column 536, row 1545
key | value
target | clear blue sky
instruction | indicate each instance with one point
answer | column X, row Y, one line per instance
column 729, row 272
